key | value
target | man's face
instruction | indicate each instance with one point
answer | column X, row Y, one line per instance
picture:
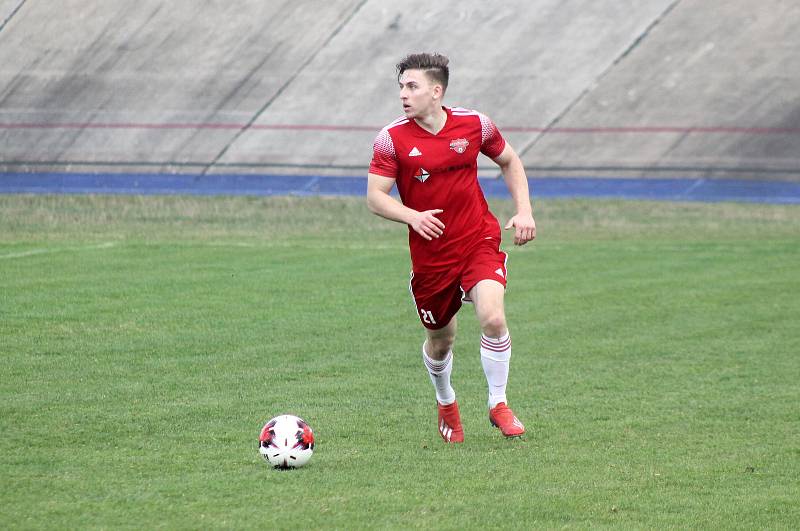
column 419, row 96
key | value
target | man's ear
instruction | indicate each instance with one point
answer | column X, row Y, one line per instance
column 438, row 91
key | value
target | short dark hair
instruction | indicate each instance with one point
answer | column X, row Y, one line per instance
column 433, row 64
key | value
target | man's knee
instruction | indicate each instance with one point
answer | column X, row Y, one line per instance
column 438, row 347
column 494, row 324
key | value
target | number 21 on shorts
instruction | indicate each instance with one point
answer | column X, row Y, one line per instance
column 427, row 316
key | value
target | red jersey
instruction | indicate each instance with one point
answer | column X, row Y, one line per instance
column 441, row 171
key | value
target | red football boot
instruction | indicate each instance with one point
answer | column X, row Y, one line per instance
column 450, row 423
column 502, row 417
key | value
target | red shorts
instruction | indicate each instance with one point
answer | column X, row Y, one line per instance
column 438, row 294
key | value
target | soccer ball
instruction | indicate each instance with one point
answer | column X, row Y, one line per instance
column 286, row 442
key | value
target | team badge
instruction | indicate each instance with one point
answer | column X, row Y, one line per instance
column 422, row 175
column 459, row 145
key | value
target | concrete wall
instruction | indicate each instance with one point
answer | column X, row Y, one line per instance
column 641, row 87
column 731, row 69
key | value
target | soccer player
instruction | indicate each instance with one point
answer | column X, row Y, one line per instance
column 431, row 154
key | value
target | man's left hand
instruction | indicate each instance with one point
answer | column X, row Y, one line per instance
column 525, row 228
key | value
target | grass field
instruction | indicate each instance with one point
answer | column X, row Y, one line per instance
column 145, row 340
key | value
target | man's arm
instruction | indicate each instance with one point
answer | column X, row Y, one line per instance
column 517, row 183
column 426, row 224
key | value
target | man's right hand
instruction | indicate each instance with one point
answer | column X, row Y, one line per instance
column 427, row 225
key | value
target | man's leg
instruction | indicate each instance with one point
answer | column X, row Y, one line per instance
column 437, row 354
column 488, row 297
column 437, row 297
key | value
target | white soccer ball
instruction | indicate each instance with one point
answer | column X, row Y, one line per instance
column 286, row 442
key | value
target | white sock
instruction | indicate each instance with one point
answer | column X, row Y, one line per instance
column 439, row 372
column 495, row 358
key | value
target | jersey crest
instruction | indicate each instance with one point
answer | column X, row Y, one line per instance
column 459, row 145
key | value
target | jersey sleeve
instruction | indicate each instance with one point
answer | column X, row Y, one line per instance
column 384, row 159
column 492, row 142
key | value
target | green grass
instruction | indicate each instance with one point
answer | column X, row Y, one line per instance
column 145, row 340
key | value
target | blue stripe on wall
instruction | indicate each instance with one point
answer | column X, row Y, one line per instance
column 780, row 192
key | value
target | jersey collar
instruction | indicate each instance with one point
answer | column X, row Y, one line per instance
column 446, row 123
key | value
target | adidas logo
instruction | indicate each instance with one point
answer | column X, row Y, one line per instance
column 446, row 431
column 500, row 272
column 415, row 152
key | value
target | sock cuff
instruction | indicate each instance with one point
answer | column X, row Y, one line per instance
column 497, row 345
column 436, row 366
column 496, row 349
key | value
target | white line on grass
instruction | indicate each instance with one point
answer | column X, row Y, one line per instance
column 344, row 246
column 34, row 252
